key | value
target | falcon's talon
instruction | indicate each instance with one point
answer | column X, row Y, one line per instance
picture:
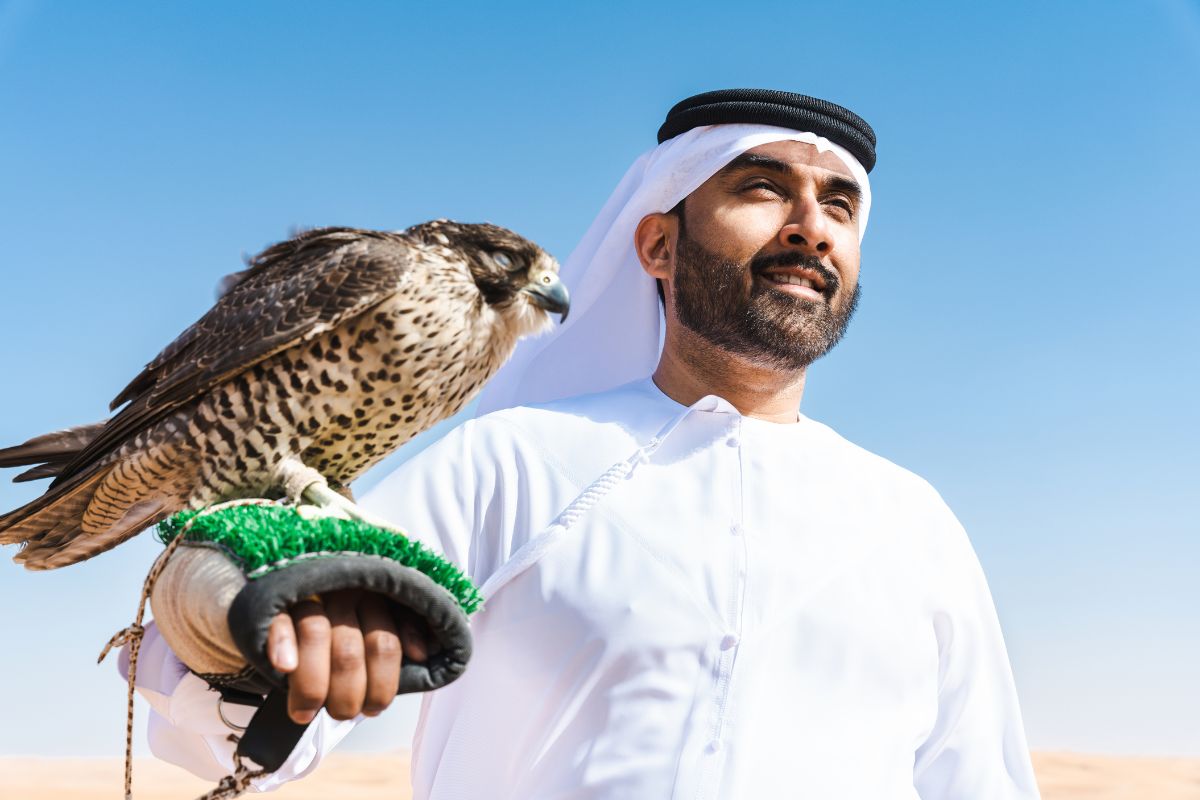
column 299, row 479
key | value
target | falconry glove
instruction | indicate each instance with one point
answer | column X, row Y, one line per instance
column 230, row 570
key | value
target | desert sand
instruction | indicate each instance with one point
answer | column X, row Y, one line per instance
column 1063, row 776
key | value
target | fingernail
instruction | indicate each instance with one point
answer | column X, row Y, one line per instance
column 286, row 657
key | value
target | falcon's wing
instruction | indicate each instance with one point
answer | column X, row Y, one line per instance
column 292, row 292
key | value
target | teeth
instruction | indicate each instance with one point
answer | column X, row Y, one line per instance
column 783, row 277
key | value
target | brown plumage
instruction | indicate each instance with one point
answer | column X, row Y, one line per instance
column 334, row 347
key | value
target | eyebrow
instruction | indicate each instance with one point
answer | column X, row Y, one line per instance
column 838, row 183
column 834, row 182
column 759, row 161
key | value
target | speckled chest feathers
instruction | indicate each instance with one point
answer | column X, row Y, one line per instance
column 344, row 400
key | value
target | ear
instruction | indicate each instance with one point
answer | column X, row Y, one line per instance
column 654, row 241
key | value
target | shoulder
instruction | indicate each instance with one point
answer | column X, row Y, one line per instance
column 910, row 524
column 628, row 409
column 917, row 516
column 873, row 472
column 581, row 436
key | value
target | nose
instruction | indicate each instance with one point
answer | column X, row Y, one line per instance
column 808, row 230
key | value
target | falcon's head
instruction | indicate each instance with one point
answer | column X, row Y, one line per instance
column 516, row 278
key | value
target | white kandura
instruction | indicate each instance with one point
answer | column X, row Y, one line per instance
column 737, row 608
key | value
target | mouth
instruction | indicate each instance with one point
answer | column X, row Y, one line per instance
column 796, row 281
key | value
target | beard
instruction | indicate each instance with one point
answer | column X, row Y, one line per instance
column 767, row 327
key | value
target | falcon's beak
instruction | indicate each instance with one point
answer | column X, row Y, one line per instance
column 548, row 292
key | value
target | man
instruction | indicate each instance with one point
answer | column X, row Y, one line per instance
column 692, row 590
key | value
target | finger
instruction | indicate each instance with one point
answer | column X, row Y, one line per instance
column 281, row 643
column 412, row 638
column 309, row 683
column 383, row 653
column 347, row 664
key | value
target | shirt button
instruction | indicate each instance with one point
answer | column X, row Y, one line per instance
column 729, row 641
column 714, row 746
column 732, row 441
column 735, row 529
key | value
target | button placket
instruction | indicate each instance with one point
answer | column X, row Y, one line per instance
column 734, row 436
column 726, row 652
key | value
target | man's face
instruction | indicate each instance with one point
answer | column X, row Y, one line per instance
column 767, row 259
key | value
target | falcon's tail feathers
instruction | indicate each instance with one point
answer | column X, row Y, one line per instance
column 53, row 517
column 50, row 528
column 50, row 453
column 49, row 470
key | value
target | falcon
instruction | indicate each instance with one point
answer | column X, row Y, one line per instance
column 327, row 353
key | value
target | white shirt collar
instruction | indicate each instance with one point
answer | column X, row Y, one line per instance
column 713, row 403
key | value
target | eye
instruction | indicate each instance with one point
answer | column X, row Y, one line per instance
column 759, row 184
column 843, row 204
column 502, row 260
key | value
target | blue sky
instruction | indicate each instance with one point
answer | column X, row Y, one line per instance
column 1027, row 338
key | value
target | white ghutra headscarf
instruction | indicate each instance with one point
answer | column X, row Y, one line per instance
column 613, row 334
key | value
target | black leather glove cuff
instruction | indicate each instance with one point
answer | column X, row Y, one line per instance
column 272, row 735
column 263, row 598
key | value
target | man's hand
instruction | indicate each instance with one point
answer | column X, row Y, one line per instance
column 342, row 653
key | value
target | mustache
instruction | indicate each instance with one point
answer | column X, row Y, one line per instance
column 791, row 258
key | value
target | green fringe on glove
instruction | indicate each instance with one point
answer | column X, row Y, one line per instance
column 263, row 538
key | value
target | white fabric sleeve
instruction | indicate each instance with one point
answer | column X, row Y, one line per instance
column 185, row 725
column 479, row 493
column 443, row 497
column 976, row 749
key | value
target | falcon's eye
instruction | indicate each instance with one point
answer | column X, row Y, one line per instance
column 502, row 260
